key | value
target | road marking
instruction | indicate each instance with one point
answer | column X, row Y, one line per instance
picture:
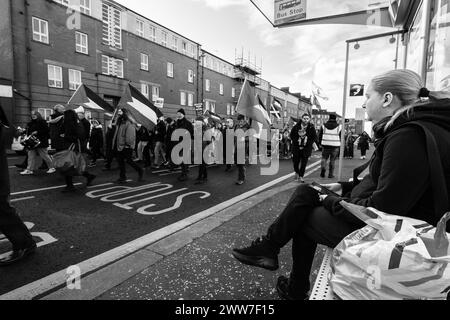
column 57, row 279
column 42, row 189
column 21, row 199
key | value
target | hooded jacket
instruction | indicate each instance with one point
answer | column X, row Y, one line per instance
column 400, row 179
column 56, row 127
column 96, row 138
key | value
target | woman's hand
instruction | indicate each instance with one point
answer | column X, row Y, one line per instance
column 335, row 187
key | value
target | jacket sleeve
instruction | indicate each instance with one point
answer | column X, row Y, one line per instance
column 320, row 135
column 404, row 175
column 130, row 136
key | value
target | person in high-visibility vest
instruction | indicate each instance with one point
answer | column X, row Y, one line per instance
column 330, row 140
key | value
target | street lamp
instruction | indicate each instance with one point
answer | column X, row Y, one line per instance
column 344, row 104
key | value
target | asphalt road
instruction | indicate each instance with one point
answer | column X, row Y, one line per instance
column 71, row 228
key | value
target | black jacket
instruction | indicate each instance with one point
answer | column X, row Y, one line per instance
column 400, row 182
column 187, row 125
column 142, row 134
column 311, row 137
column 160, row 132
column 96, row 139
column 43, row 133
column 4, row 172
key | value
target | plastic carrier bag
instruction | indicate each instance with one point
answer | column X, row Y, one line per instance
column 392, row 258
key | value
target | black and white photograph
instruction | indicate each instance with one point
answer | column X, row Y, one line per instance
column 224, row 158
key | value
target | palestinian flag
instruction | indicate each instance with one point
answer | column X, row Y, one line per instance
column 214, row 117
column 141, row 110
column 275, row 112
column 251, row 106
column 90, row 100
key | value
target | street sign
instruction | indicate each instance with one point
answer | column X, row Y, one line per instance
column 198, row 109
column 356, row 90
column 6, row 91
column 159, row 102
column 289, row 10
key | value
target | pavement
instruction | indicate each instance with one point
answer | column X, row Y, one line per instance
column 195, row 263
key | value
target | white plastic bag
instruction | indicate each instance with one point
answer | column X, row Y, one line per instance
column 392, row 258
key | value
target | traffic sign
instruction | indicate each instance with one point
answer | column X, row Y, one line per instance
column 289, row 10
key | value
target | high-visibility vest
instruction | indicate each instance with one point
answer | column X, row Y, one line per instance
column 331, row 138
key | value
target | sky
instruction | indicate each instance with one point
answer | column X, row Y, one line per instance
column 290, row 57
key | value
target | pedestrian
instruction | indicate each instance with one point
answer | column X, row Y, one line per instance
column 143, row 138
column 303, row 136
column 244, row 126
column 124, row 142
column 84, row 139
column 330, row 140
column 229, row 126
column 401, row 120
column 96, row 142
column 160, row 137
column 11, row 225
column 38, row 129
column 201, row 124
column 349, row 144
column 56, row 128
column 184, row 124
column 73, row 136
column 363, row 144
column 110, row 153
column 169, row 143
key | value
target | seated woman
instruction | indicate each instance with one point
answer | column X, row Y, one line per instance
column 401, row 180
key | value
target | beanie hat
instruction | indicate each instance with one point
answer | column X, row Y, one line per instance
column 181, row 111
column 241, row 117
column 169, row 120
column 332, row 117
column 79, row 110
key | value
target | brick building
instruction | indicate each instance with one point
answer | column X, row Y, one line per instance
column 50, row 47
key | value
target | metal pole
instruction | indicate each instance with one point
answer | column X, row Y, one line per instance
column 344, row 107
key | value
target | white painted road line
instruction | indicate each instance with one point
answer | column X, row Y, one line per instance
column 21, row 199
column 43, row 189
column 59, row 278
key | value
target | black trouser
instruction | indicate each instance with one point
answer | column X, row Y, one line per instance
column 307, row 223
column 331, row 153
column 363, row 152
column 126, row 156
column 300, row 158
column 241, row 172
column 146, row 153
column 202, row 171
column 96, row 153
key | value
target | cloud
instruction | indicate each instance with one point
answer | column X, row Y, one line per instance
column 220, row 4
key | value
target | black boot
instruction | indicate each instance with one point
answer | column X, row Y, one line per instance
column 285, row 290
column 322, row 173
column 90, row 178
column 261, row 254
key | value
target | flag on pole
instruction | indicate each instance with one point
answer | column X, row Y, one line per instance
column 277, row 104
column 141, row 110
column 90, row 100
column 274, row 111
column 315, row 102
column 318, row 92
column 251, row 106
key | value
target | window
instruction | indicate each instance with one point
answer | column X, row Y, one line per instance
column 112, row 26
column 233, row 92
column 81, row 43
column 144, row 62
column 207, row 105
column 190, row 76
column 64, row 2
column 183, row 98
column 112, row 66
column 216, row 66
column 184, row 47
column 74, row 79
column 170, row 69
column 164, row 38
column 233, row 110
column 145, row 90
column 55, row 79
column 221, row 89
column 174, row 43
column 155, row 92
column 45, row 113
column 190, row 99
column 152, row 33
column 208, row 85
column 228, row 109
column 40, row 30
column 191, row 50
column 85, row 7
column 213, row 107
column 140, row 28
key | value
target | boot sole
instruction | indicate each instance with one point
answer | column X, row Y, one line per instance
column 258, row 261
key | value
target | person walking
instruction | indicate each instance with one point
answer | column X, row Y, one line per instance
column 183, row 123
column 38, row 128
column 171, row 126
column 363, row 144
column 405, row 128
column 56, row 128
column 206, row 134
column 350, row 144
column 303, row 136
column 228, row 126
column 160, row 137
column 143, row 138
column 124, row 142
column 329, row 139
column 110, row 153
column 244, row 126
column 11, row 225
column 96, row 142
column 73, row 135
